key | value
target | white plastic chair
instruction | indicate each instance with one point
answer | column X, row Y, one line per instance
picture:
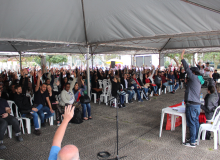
column 213, row 127
column 94, row 95
column 27, row 120
column 104, row 96
column 100, row 83
column 10, row 103
column 126, row 96
column 213, row 117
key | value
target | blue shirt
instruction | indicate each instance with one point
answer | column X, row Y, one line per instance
column 172, row 77
column 54, row 152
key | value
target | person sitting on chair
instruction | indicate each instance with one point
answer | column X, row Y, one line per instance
column 5, row 120
column 116, row 86
column 137, row 87
column 78, row 93
column 211, row 102
column 172, row 82
column 40, row 98
column 24, row 105
column 126, row 85
column 67, row 95
column 54, row 102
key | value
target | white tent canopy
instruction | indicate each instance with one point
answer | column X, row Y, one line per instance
column 109, row 26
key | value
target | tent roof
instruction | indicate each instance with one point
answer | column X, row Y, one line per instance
column 109, row 26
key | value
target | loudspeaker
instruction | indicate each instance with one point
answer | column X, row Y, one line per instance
column 112, row 64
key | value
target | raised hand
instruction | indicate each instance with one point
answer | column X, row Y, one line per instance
column 39, row 74
column 182, row 54
column 69, row 112
column 58, row 83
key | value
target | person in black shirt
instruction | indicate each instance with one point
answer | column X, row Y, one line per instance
column 40, row 98
column 24, row 105
column 54, row 102
column 4, row 94
column 5, row 120
column 215, row 75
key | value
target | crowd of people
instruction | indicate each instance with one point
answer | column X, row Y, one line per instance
column 43, row 93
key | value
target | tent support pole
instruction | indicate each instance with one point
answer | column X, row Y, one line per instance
column 159, row 58
column 92, row 57
column 88, row 72
column 20, row 60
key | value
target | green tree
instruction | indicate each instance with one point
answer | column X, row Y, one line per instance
column 177, row 57
column 213, row 57
column 54, row 59
column 37, row 60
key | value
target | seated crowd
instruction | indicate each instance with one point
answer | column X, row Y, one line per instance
column 39, row 94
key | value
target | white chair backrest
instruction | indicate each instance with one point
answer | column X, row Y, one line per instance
column 109, row 91
column 216, row 112
column 100, row 83
column 216, row 122
column 10, row 103
column 122, row 87
column 16, row 108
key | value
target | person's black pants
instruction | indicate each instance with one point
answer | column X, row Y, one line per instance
column 4, row 122
column 158, row 87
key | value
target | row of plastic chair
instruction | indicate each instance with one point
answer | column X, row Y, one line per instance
column 20, row 119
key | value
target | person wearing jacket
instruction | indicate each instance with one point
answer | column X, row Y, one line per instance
column 192, row 100
column 116, row 86
column 67, row 95
column 126, row 85
column 85, row 106
column 211, row 102
column 137, row 87
column 24, row 105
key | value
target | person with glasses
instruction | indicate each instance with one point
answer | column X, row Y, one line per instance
column 68, row 152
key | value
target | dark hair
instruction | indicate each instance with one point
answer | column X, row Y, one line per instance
column 17, row 86
column 211, row 89
column 67, row 84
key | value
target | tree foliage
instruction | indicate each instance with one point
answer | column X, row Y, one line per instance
column 212, row 57
column 51, row 59
column 54, row 59
column 177, row 57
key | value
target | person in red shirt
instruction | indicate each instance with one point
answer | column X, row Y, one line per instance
column 164, row 80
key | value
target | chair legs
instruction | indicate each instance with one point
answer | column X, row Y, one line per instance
column 215, row 139
column 161, row 123
column 10, row 131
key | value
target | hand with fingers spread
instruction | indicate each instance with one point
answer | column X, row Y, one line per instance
column 39, row 74
column 69, row 112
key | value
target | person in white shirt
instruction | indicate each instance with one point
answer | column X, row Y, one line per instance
column 67, row 95
column 207, row 69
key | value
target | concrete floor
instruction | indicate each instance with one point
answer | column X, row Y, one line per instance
column 138, row 135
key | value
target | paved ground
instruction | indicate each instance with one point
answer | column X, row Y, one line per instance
column 139, row 129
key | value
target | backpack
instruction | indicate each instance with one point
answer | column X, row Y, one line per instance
column 77, row 118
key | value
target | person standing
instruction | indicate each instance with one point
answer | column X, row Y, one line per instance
column 192, row 100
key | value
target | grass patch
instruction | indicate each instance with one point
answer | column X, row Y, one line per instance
column 210, row 149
